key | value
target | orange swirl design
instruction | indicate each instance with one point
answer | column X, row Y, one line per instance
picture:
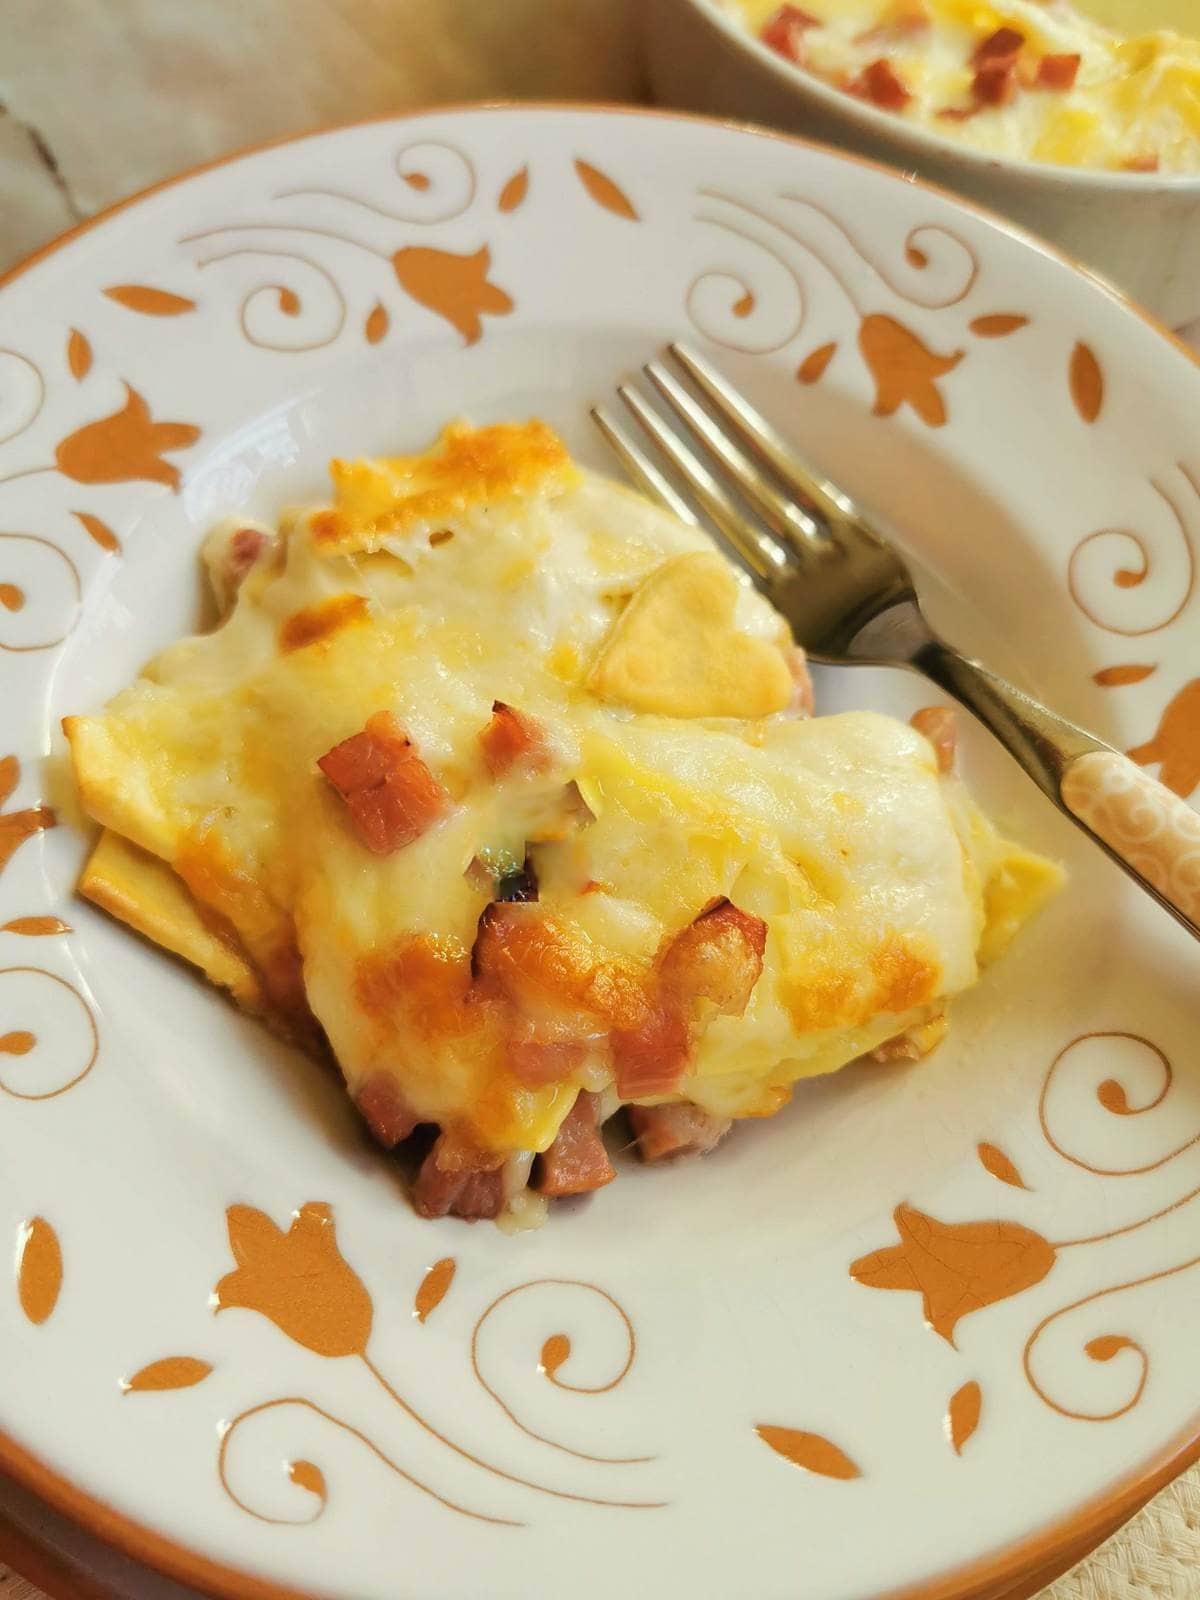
column 556, row 1351
column 15, row 600
column 920, row 243
column 740, row 302
column 289, row 304
column 1104, row 1348
column 408, row 164
column 1132, row 563
column 28, row 415
column 300, row 1280
column 312, row 1481
column 1112, row 1096
column 21, row 1043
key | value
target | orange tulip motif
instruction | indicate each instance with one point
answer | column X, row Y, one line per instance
column 127, row 445
column 17, row 826
column 1176, row 744
column 956, row 1267
column 454, row 286
column 906, row 372
column 299, row 1280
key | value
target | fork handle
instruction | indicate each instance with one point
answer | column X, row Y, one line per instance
column 1146, row 828
column 1152, row 832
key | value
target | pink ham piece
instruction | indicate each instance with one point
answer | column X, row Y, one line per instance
column 537, row 1062
column 511, row 739
column 385, row 1110
column 391, row 796
column 577, row 1162
column 718, row 958
column 880, row 83
column 682, row 1129
column 1058, row 71
column 652, row 1057
column 231, row 557
column 995, row 63
column 785, row 32
column 940, row 726
column 463, row 1187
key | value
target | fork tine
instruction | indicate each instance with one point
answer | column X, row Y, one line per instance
column 641, row 469
column 762, row 554
column 789, row 520
column 758, row 433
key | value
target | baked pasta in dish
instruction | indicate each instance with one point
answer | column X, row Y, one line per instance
column 498, row 784
column 1027, row 78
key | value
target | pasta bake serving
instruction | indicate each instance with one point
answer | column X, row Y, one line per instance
column 499, row 786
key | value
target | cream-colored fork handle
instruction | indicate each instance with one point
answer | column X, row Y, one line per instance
column 1151, row 829
column 1146, row 828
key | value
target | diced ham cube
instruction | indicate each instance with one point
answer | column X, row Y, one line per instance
column 400, row 809
column 458, row 1183
column 1005, row 44
column 785, row 31
column 366, row 758
column 879, row 83
column 528, row 955
column 651, row 1057
column 391, row 795
column 577, row 1162
column 940, row 726
column 534, row 960
column 681, row 1129
column 244, row 551
column 386, row 1111
column 231, row 554
column 718, row 958
column 536, row 1062
column 995, row 62
column 1058, row 71
column 995, row 83
column 511, row 738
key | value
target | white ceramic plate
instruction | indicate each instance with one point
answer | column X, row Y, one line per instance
column 923, row 1332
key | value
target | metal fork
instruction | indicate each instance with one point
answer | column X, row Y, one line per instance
column 849, row 597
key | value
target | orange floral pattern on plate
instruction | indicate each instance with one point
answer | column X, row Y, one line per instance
column 301, row 1282
column 456, row 287
column 1176, row 742
column 40, row 1271
column 812, row 1451
column 905, row 370
column 125, row 446
column 298, row 1280
column 956, row 1267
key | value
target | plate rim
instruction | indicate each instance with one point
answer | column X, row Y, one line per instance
column 987, row 1577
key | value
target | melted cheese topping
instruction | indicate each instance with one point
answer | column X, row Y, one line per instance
column 495, row 570
column 1135, row 102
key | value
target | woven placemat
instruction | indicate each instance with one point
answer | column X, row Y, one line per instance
column 1156, row 1556
column 66, row 152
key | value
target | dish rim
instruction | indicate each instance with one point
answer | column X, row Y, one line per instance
column 1042, row 1554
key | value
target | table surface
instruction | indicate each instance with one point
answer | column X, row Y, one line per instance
column 185, row 80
